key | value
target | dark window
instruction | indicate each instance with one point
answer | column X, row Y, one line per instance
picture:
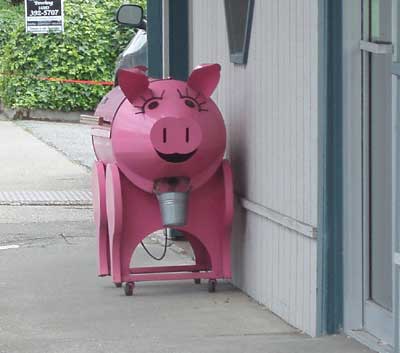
column 239, row 15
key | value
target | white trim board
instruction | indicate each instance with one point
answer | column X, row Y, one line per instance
column 370, row 341
column 279, row 218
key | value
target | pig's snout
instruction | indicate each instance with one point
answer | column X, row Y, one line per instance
column 176, row 138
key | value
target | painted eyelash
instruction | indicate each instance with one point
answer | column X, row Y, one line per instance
column 182, row 96
column 145, row 101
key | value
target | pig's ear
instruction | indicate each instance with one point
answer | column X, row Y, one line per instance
column 133, row 82
column 204, row 78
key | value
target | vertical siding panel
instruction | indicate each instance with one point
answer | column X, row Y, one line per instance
column 313, row 289
column 259, row 266
column 281, row 276
column 293, row 159
column 292, row 112
column 286, row 143
column 300, row 283
column 270, row 109
column 306, row 310
column 260, row 185
column 296, row 119
column 275, row 267
column 306, row 99
column 261, row 260
column 251, row 269
column 254, row 268
column 258, row 262
column 280, row 180
column 270, row 262
column 314, row 121
column 294, row 278
column 274, row 53
column 287, row 274
column 300, row 110
column 268, row 92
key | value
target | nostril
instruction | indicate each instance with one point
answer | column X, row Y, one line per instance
column 164, row 135
column 187, row 135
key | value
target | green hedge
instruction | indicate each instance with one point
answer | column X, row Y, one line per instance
column 87, row 50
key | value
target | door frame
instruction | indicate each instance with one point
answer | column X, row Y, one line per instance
column 396, row 173
column 353, row 225
column 355, row 138
column 376, row 320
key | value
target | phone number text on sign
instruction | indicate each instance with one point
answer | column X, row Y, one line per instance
column 44, row 13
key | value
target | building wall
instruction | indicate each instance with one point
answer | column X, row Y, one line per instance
column 270, row 107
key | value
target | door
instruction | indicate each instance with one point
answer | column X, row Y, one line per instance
column 378, row 168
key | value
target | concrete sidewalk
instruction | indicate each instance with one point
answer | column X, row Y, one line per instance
column 52, row 301
column 29, row 164
column 72, row 140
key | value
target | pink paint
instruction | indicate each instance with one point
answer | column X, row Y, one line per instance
column 162, row 128
column 174, row 135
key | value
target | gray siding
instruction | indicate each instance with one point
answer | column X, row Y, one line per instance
column 270, row 107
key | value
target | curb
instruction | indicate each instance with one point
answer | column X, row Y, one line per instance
column 44, row 115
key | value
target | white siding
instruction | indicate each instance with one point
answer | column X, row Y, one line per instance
column 270, row 108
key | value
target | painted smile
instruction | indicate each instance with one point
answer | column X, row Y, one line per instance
column 176, row 157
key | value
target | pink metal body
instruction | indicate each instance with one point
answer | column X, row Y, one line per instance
column 154, row 129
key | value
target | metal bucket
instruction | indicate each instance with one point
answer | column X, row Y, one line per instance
column 173, row 207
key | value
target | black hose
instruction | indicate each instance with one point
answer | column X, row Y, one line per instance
column 165, row 248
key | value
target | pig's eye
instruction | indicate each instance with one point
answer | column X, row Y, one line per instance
column 190, row 103
column 153, row 105
column 150, row 103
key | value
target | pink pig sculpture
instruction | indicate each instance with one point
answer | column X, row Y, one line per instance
column 150, row 130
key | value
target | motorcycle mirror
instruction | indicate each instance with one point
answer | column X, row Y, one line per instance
column 130, row 15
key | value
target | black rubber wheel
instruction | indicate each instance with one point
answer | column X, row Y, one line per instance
column 197, row 281
column 118, row 285
column 212, row 283
column 128, row 288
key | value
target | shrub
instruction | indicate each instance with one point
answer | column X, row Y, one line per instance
column 87, row 50
column 9, row 15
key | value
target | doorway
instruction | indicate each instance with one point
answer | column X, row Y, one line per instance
column 377, row 170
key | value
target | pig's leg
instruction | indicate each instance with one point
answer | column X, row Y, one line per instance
column 229, row 201
column 202, row 259
column 100, row 217
column 115, row 219
column 200, row 252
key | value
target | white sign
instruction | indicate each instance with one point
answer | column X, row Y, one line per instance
column 44, row 16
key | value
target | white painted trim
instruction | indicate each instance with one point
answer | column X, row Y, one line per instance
column 279, row 218
column 395, row 179
column 376, row 48
column 379, row 321
column 352, row 167
column 370, row 341
column 396, row 258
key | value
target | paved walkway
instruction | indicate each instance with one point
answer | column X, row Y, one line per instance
column 52, row 301
column 29, row 164
column 73, row 140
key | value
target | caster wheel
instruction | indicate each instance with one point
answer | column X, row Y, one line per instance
column 118, row 285
column 197, row 281
column 128, row 288
column 212, row 283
